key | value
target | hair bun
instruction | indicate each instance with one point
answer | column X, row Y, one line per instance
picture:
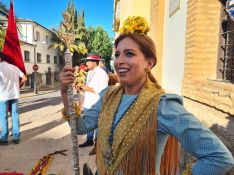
column 135, row 25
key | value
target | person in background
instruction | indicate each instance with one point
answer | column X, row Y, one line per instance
column 136, row 119
column 96, row 81
column 11, row 79
column 113, row 79
column 102, row 65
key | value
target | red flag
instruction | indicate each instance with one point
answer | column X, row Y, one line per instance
column 11, row 46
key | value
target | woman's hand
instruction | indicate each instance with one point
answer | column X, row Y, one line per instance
column 66, row 77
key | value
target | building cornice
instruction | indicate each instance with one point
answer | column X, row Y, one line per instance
column 22, row 20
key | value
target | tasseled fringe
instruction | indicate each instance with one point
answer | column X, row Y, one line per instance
column 141, row 159
column 99, row 160
column 170, row 158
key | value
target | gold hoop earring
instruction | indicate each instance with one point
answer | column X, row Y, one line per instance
column 147, row 70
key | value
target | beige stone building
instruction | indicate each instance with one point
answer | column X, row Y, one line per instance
column 194, row 41
column 35, row 40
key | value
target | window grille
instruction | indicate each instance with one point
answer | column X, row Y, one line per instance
column 225, row 66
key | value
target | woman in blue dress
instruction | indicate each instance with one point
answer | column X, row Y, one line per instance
column 136, row 118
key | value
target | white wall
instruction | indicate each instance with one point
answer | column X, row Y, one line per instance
column 134, row 8
column 174, row 48
column 26, row 35
column 25, row 32
column 42, row 47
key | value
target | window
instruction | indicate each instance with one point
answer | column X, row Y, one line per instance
column 225, row 65
column 26, row 56
column 55, row 60
column 47, row 39
column 22, row 33
column 47, row 58
column 39, row 57
column 38, row 36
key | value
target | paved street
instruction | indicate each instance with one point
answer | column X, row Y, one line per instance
column 43, row 131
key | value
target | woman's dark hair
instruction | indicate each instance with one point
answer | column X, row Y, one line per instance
column 146, row 46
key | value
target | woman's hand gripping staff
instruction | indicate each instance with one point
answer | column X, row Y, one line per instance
column 66, row 82
column 66, row 78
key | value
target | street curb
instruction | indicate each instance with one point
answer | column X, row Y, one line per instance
column 33, row 94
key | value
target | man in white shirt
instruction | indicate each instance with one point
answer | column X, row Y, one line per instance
column 97, row 80
column 11, row 79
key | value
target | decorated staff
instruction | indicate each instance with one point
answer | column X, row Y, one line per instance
column 71, row 112
column 67, row 36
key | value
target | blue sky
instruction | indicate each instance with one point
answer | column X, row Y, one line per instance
column 48, row 12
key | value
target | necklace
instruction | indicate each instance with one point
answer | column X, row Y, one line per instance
column 114, row 124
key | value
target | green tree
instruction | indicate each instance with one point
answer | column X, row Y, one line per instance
column 2, row 37
column 90, row 36
column 3, row 9
column 3, row 12
column 100, row 42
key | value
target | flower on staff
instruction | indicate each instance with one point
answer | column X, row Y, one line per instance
column 80, row 77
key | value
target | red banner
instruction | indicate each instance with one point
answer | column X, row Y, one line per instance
column 12, row 46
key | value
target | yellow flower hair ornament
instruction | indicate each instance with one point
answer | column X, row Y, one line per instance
column 136, row 25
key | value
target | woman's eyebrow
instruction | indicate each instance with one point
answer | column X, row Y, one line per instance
column 127, row 50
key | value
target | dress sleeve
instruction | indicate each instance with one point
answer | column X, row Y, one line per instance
column 89, row 120
column 212, row 155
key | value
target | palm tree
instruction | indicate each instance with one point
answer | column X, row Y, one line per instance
column 69, row 35
column 3, row 9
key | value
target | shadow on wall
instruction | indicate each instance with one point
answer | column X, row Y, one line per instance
column 226, row 134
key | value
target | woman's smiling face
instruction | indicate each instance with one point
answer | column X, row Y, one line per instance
column 130, row 63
